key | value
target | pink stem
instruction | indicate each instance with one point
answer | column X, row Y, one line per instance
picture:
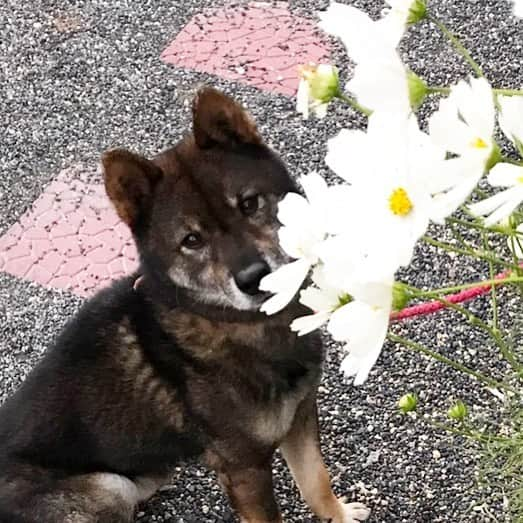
column 435, row 305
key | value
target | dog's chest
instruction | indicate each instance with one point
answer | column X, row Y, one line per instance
column 269, row 423
column 259, row 375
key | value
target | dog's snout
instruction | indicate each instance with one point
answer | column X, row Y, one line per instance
column 248, row 279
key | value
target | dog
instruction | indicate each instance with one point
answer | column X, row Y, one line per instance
column 176, row 362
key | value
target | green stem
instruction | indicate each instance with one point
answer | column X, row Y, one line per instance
column 418, row 293
column 470, row 252
column 467, row 433
column 506, row 159
column 354, row 104
column 439, row 89
column 457, row 45
column 480, row 227
column 493, row 293
column 417, row 347
column 509, row 92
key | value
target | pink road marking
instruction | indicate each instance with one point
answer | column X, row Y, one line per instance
column 260, row 44
column 70, row 238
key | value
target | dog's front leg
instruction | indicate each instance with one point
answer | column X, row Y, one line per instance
column 301, row 450
column 251, row 493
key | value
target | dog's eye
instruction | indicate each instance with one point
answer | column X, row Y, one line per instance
column 193, row 241
column 248, row 206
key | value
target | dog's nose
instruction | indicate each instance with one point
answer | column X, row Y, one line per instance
column 248, row 279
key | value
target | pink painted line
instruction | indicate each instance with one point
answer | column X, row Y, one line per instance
column 432, row 306
column 259, row 44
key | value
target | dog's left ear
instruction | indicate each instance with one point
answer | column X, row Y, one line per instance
column 130, row 181
column 219, row 120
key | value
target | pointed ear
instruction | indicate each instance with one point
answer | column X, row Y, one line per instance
column 218, row 119
column 130, row 180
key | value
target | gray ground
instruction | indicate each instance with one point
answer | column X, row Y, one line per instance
column 66, row 96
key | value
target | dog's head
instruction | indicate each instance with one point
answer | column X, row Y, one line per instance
column 204, row 213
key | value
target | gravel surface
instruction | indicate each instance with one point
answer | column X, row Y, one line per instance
column 80, row 76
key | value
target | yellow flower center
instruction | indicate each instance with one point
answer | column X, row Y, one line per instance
column 520, row 179
column 479, row 143
column 399, row 202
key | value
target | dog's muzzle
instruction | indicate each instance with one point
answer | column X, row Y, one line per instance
column 248, row 279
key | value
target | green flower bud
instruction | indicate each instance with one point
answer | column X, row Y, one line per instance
column 408, row 402
column 323, row 81
column 418, row 89
column 417, row 11
column 400, row 296
column 458, row 411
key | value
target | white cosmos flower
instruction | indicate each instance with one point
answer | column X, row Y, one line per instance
column 390, row 169
column 511, row 119
column 464, row 123
column 463, row 126
column 304, row 226
column 380, row 78
column 358, row 316
column 501, row 205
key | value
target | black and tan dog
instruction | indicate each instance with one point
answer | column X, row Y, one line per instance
column 177, row 362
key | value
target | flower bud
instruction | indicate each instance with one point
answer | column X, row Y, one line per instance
column 417, row 11
column 323, row 81
column 417, row 89
column 408, row 402
column 458, row 411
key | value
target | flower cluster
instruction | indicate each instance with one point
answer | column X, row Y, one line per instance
column 351, row 238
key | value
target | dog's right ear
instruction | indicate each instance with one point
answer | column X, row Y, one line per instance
column 130, row 180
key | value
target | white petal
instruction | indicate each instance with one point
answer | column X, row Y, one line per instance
column 467, row 171
column 347, row 154
column 364, row 38
column 511, row 117
column 365, row 346
column 320, row 110
column 350, row 321
column 505, row 210
column 505, row 175
column 316, row 189
column 447, row 130
column 285, row 283
column 488, row 205
column 302, row 98
column 293, row 209
column 476, row 105
column 318, row 299
column 381, row 85
column 306, row 324
column 517, row 248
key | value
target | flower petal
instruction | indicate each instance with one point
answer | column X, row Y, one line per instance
column 505, row 175
column 306, row 324
column 285, row 283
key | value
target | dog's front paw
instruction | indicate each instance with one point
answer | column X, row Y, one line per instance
column 352, row 513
